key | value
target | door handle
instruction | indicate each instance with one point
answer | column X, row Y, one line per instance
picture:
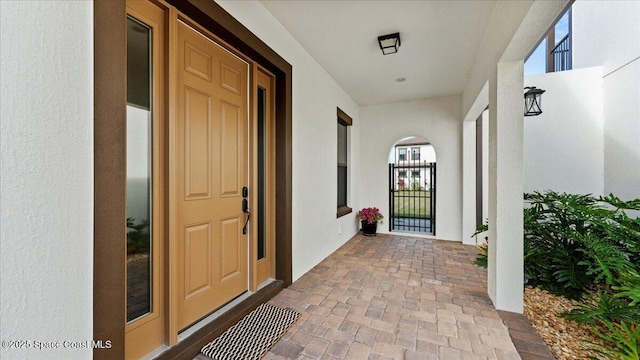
column 245, row 209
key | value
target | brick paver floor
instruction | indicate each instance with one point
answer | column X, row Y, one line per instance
column 394, row 297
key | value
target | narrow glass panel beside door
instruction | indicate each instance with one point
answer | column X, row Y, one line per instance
column 264, row 234
column 262, row 153
column 139, row 170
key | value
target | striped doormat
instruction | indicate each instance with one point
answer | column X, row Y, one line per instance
column 253, row 336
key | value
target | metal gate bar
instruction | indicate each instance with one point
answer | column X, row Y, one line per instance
column 412, row 197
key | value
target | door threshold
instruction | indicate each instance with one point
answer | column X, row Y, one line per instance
column 193, row 339
column 212, row 316
column 155, row 353
column 266, row 283
column 220, row 311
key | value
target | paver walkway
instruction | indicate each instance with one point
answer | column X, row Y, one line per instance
column 394, row 297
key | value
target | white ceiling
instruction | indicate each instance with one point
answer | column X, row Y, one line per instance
column 439, row 42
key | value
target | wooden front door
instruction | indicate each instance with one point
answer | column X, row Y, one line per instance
column 211, row 169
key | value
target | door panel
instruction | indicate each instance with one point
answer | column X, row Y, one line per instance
column 197, row 142
column 230, row 264
column 230, row 169
column 211, row 170
column 230, row 78
column 197, row 240
column 197, row 62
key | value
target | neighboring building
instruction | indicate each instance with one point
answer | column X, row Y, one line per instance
column 413, row 158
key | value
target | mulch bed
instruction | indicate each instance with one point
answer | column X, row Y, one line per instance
column 566, row 339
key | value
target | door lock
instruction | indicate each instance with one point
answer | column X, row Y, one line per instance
column 245, row 209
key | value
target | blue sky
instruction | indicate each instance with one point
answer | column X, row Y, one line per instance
column 536, row 62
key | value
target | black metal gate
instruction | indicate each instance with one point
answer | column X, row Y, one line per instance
column 412, row 197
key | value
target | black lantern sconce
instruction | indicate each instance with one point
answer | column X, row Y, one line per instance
column 532, row 101
column 389, row 44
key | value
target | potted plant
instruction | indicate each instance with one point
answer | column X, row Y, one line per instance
column 369, row 218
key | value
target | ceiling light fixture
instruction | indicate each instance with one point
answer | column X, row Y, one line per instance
column 389, row 44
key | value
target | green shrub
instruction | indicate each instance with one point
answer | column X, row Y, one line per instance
column 576, row 244
column 604, row 260
column 629, row 288
column 483, row 256
column 483, row 248
column 604, row 307
column 572, row 242
column 623, row 340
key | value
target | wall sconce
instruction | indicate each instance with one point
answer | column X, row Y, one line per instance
column 532, row 101
column 389, row 44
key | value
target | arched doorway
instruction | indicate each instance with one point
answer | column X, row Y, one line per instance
column 412, row 186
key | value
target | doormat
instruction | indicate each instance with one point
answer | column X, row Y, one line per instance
column 253, row 336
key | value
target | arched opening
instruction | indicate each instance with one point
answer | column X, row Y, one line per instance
column 412, row 186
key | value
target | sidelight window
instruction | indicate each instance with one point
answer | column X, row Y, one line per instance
column 139, row 169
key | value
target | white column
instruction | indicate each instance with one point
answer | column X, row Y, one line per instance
column 485, row 165
column 468, row 181
column 506, row 268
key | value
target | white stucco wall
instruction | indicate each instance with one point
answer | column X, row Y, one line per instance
column 564, row 146
column 605, row 34
column 46, row 112
column 437, row 120
column 316, row 231
column 622, row 132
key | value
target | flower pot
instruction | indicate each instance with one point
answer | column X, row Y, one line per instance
column 369, row 229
